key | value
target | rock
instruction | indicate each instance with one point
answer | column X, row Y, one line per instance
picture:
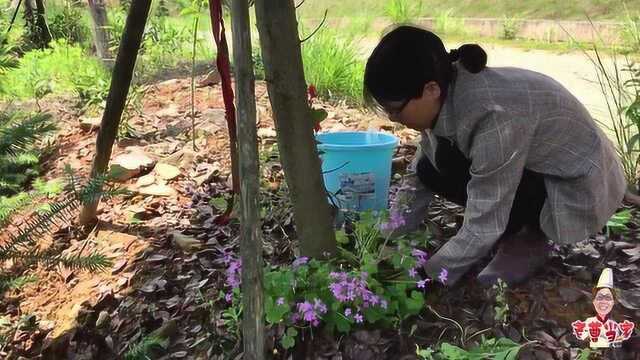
column 103, row 319
column 167, row 172
column 90, row 123
column 146, row 180
column 127, row 166
column 157, row 190
column 212, row 78
column 266, row 133
column 170, row 111
column 182, row 159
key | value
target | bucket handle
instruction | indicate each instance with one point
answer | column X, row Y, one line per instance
column 336, row 169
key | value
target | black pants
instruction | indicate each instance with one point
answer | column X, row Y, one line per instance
column 453, row 176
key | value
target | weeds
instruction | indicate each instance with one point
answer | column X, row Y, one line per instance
column 68, row 23
column 61, row 64
column 631, row 30
column 403, row 11
column 502, row 306
column 333, row 65
column 510, row 28
column 143, row 349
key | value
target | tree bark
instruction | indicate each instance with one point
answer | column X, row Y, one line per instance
column 116, row 100
column 250, row 241
column 99, row 29
column 284, row 74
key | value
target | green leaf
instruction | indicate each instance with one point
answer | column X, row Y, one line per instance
column 452, row 352
column 291, row 331
column 341, row 237
column 188, row 12
column 219, row 203
column 287, row 342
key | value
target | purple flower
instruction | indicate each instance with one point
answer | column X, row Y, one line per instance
column 412, row 272
column 420, row 284
column 347, row 288
column 309, row 312
column 383, row 303
column 444, row 274
column 300, row 261
column 395, row 220
column 319, row 306
column 233, row 273
column 420, row 256
column 358, row 318
column 228, row 297
column 280, row 301
column 347, row 312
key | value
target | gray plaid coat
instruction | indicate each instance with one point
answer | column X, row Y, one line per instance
column 505, row 120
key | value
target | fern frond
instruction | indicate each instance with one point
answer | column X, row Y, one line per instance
column 10, row 205
column 142, row 350
column 93, row 263
column 38, row 226
column 15, row 282
column 19, row 132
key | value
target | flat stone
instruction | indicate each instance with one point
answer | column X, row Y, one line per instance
column 146, row 180
column 157, row 190
column 170, row 111
column 90, row 123
column 166, row 171
column 127, row 166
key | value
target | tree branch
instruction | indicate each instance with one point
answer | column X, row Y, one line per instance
column 324, row 18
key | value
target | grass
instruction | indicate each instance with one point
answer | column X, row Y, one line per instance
column 333, row 65
column 59, row 66
column 531, row 9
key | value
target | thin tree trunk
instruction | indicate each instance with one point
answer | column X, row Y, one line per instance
column 99, row 28
column 250, row 242
column 116, row 100
column 41, row 21
column 288, row 94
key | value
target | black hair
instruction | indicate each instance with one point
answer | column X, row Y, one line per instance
column 407, row 58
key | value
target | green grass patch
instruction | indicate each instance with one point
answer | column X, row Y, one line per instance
column 59, row 66
column 332, row 63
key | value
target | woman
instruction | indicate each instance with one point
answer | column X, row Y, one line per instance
column 513, row 146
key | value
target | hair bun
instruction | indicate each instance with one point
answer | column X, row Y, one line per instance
column 472, row 57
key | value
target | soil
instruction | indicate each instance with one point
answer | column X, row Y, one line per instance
column 167, row 274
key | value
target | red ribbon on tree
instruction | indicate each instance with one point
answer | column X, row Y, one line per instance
column 224, row 68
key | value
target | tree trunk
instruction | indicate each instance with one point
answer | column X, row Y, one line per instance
column 288, row 94
column 41, row 21
column 250, row 242
column 116, row 100
column 99, row 28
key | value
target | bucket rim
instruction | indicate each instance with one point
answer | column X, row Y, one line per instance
column 391, row 141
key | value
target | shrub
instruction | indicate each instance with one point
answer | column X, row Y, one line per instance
column 68, row 23
column 510, row 28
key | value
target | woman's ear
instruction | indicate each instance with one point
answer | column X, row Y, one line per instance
column 431, row 91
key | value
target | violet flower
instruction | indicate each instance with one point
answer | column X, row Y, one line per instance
column 358, row 318
column 444, row 274
column 280, row 301
column 300, row 261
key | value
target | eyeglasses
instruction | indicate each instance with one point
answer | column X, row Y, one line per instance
column 395, row 111
column 604, row 298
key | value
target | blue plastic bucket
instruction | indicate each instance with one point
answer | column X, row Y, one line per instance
column 357, row 168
